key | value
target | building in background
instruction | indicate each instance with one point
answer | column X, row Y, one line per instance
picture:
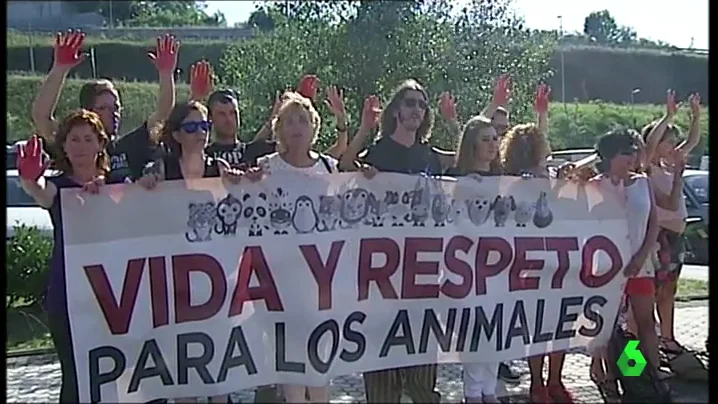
column 48, row 16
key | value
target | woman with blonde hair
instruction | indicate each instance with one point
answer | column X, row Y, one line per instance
column 82, row 161
column 478, row 156
column 296, row 127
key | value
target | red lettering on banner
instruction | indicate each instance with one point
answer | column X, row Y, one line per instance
column 458, row 267
column 158, row 292
column 182, row 267
column 592, row 246
column 367, row 273
column 522, row 245
column 254, row 261
column 116, row 315
column 413, row 267
column 481, row 263
column 323, row 273
column 562, row 246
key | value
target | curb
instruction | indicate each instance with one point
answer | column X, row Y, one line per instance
column 51, row 351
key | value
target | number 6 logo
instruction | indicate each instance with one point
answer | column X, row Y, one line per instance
column 631, row 362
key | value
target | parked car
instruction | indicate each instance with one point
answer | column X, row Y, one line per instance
column 22, row 209
column 569, row 155
column 695, row 194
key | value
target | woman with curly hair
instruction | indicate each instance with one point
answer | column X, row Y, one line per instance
column 523, row 152
column 82, row 162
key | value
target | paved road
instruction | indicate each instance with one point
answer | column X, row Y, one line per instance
column 697, row 272
column 36, row 379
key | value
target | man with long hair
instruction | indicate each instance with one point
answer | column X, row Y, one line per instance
column 405, row 126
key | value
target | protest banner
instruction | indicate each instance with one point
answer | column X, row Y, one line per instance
column 197, row 288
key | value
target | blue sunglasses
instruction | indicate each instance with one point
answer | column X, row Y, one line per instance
column 194, row 126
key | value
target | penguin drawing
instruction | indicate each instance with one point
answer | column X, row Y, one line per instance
column 304, row 219
column 543, row 215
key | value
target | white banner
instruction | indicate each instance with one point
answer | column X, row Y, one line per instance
column 195, row 289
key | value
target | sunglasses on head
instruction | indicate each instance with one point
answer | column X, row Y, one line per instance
column 413, row 102
column 194, row 126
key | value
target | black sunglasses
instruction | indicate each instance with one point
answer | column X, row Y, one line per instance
column 194, row 126
column 413, row 102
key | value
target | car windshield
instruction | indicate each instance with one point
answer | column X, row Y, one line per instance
column 16, row 196
column 699, row 185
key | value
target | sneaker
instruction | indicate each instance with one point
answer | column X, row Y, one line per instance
column 508, row 375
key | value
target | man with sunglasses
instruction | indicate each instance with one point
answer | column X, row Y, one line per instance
column 402, row 148
column 130, row 152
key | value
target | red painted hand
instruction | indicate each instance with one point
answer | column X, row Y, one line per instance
column 29, row 159
column 165, row 55
column 68, row 49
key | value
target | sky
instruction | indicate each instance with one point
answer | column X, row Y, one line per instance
column 676, row 22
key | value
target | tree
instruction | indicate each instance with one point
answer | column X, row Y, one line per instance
column 261, row 19
column 369, row 47
column 602, row 28
column 153, row 13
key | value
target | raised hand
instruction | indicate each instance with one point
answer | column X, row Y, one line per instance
column 29, row 160
column 671, row 104
column 542, row 99
column 695, row 102
column 447, row 106
column 502, row 90
column 68, row 50
column 200, row 80
column 308, row 86
column 335, row 102
column 371, row 112
column 165, row 55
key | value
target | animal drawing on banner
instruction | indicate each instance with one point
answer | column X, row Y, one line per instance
column 398, row 212
column 304, row 217
column 441, row 206
column 420, row 203
column 479, row 210
column 229, row 212
column 202, row 217
column 354, row 207
column 524, row 213
column 378, row 211
column 256, row 214
column 457, row 210
column 543, row 216
column 280, row 211
column 502, row 207
column 328, row 213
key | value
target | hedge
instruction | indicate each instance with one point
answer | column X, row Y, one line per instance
column 27, row 264
column 573, row 125
column 591, row 72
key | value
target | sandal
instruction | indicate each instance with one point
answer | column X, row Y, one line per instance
column 674, row 349
column 608, row 389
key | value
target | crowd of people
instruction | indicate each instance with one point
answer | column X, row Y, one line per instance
column 174, row 143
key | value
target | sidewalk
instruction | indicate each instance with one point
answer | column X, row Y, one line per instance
column 36, row 379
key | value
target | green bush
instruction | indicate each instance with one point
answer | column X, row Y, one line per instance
column 576, row 125
column 591, row 72
column 27, row 266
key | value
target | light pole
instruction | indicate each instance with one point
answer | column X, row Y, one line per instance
column 563, row 66
column 633, row 111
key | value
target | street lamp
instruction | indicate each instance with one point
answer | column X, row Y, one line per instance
column 633, row 111
column 563, row 66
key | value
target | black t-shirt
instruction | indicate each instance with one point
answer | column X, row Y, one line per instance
column 239, row 154
column 388, row 155
column 130, row 153
column 174, row 172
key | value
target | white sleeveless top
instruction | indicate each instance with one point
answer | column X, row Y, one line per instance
column 662, row 180
column 638, row 199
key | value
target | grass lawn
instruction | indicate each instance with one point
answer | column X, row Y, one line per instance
column 27, row 327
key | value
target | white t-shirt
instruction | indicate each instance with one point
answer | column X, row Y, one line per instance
column 638, row 199
column 274, row 163
column 662, row 179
